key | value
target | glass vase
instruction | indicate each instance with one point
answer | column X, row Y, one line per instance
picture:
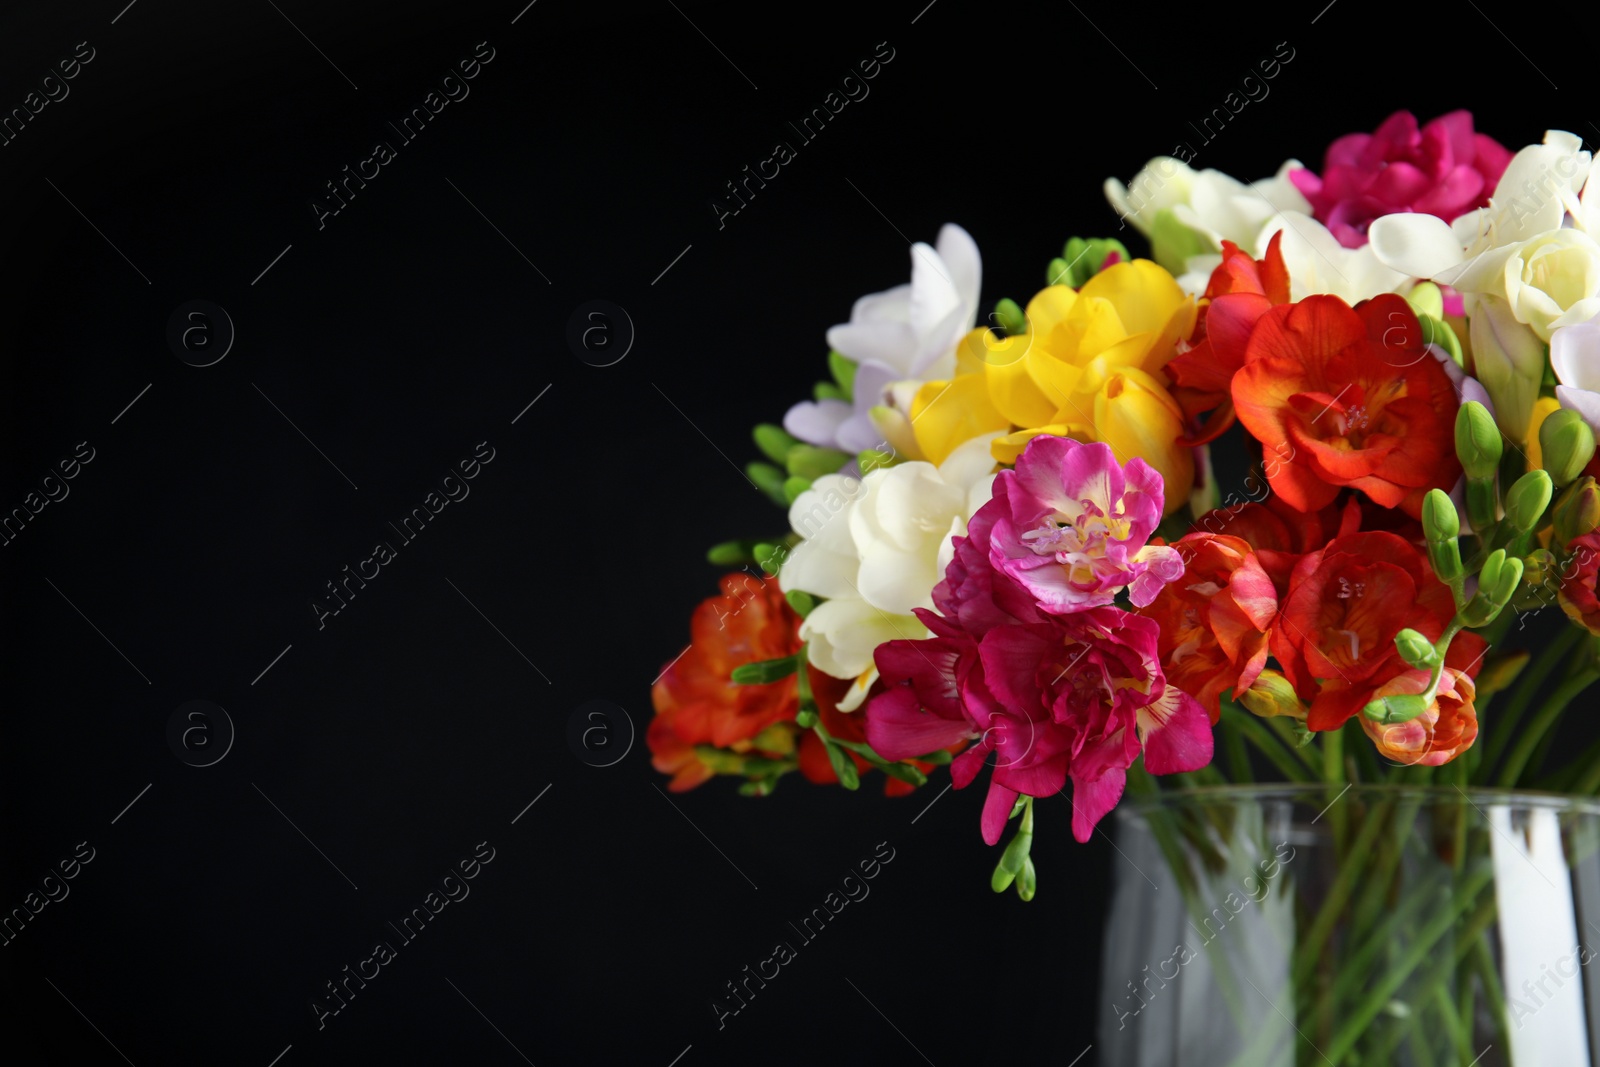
column 1289, row 926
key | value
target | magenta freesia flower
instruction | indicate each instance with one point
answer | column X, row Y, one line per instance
column 1071, row 526
column 1444, row 169
column 1053, row 693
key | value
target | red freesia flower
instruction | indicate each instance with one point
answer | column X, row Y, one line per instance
column 1342, row 396
column 1215, row 619
column 1335, row 636
column 1578, row 596
column 1444, row 169
column 696, row 700
column 1240, row 291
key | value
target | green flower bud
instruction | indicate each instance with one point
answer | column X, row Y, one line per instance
column 1489, row 574
column 1435, row 331
column 793, row 487
column 843, row 371
column 810, row 462
column 801, row 601
column 765, row 672
column 1059, row 272
column 1011, row 318
column 773, row 441
column 805, row 719
column 1477, row 441
column 1527, row 499
column 1510, row 577
column 1578, row 510
column 1402, row 707
column 729, row 553
column 871, row 459
column 1439, row 518
column 1566, row 445
column 769, row 480
column 1027, row 880
column 829, row 391
column 1426, row 299
column 1416, row 649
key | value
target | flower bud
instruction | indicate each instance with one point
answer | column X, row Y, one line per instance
column 1442, row 527
column 1477, row 441
column 769, row 480
column 1010, row 317
column 811, row 462
column 1578, row 510
column 1416, row 649
column 1509, row 359
column 1436, row 331
column 1272, row 695
column 1566, row 445
column 1426, row 299
column 773, row 441
column 843, row 371
column 1527, row 499
column 1396, row 708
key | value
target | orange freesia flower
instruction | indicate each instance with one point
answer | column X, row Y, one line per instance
column 1239, row 292
column 1438, row 735
column 1343, row 396
column 696, row 700
column 1215, row 619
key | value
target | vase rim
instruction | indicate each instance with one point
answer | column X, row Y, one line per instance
column 1295, row 791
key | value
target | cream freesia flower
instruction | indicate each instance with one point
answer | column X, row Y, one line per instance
column 874, row 548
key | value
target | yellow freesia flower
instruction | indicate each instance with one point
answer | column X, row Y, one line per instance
column 1089, row 367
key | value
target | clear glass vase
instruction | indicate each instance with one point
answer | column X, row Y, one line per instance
column 1288, row 926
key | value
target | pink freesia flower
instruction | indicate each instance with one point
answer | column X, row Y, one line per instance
column 1076, row 696
column 1052, row 691
column 1070, row 526
column 1444, row 169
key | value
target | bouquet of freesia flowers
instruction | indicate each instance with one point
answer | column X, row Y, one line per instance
column 1008, row 544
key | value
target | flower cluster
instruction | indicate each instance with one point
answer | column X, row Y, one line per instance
column 1008, row 545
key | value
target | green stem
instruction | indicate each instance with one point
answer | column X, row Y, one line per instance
column 1356, row 1023
column 1309, row 951
column 1544, row 721
column 1505, row 725
column 1267, row 743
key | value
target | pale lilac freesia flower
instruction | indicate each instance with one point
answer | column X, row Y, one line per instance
column 908, row 333
column 1575, row 357
column 1072, row 524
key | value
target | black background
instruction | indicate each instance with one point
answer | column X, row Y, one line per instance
column 407, row 330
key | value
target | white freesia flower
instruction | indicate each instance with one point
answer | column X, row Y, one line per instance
column 908, row 333
column 1538, row 191
column 1318, row 263
column 1208, row 206
column 875, row 548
